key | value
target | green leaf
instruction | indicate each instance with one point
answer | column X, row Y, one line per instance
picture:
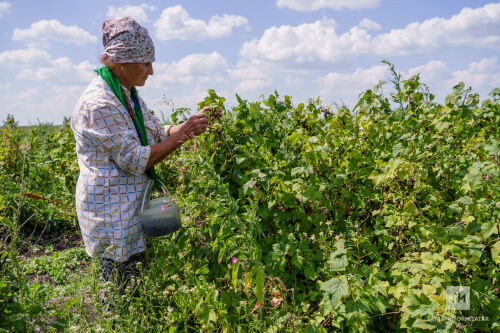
column 489, row 228
column 240, row 159
column 208, row 315
column 297, row 260
column 378, row 178
column 410, row 208
column 442, row 125
column 495, row 92
column 212, row 316
column 424, row 324
column 382, row 287
column 312, row 193
column 492, row 147
column 334, row 290
column 338, row 259
column 248, row 187
column 397, row 290
column 398, row 148
column 495, row 252
column 448, row 265
column 294, row 138
column 259, row 284
column 234, row 274
column 238, row 98
column 338, row 264
column 297, row 170
column 356, row 306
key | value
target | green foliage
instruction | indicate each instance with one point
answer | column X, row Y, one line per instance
column 365, row 215
column 11, row 310
column 38, row 171
column 38, row 174
column 57, row 265
column 307, row 218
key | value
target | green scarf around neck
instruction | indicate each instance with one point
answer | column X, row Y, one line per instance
column 138, row 119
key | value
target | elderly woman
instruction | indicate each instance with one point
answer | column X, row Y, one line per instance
column 118, row 141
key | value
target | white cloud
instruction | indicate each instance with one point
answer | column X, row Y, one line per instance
column 23, row 57
column 62, row 70
column 253, row 69
column 369, row 24
column 26, row 95
column 478, row 27
column 479, row 74
column 188, row 78
column 319, row 41
column 191, row 99
column 253, row 85
column 293, row 81
column 482, row 76
column 434, row 71
column 311, row 5
column 192, row 69
column 137, row 12
column 17, row 104
column 254, row 75
column 345, row 87
column 175, row 23
column 308, row 42
column 202, row 65
column 41, row 32
column 42, row 103
column 4, row 8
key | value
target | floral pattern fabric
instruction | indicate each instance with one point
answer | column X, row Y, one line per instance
column 112, row 176
column 126, row 41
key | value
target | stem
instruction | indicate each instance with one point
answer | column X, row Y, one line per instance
column 357, row 248
column 384, row 314
column 14, row 238
column 496, row 239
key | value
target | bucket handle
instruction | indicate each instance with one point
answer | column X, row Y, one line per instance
column 164, row 190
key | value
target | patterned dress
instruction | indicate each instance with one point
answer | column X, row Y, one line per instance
column 112, row 177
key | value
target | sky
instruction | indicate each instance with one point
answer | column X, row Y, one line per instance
column 302, row 48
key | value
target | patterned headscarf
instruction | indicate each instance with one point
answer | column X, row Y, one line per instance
column 126, row 41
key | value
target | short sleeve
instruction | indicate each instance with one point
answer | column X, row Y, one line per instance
column 109, row 130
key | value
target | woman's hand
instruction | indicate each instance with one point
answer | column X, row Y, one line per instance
column 179, row 134
column 195, row 125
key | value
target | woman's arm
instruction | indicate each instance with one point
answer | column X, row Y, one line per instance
column 174, row 129
column 178, row 134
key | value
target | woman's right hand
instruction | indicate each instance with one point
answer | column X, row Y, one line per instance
column 179, row 134
column 195, row 125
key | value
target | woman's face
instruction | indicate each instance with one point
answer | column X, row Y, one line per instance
column 136, row 74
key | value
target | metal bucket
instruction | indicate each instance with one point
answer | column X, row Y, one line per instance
column 160, row 216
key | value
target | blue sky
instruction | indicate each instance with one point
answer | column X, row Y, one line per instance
column 303, row 48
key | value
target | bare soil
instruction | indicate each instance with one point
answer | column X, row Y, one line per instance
column 58, row 242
